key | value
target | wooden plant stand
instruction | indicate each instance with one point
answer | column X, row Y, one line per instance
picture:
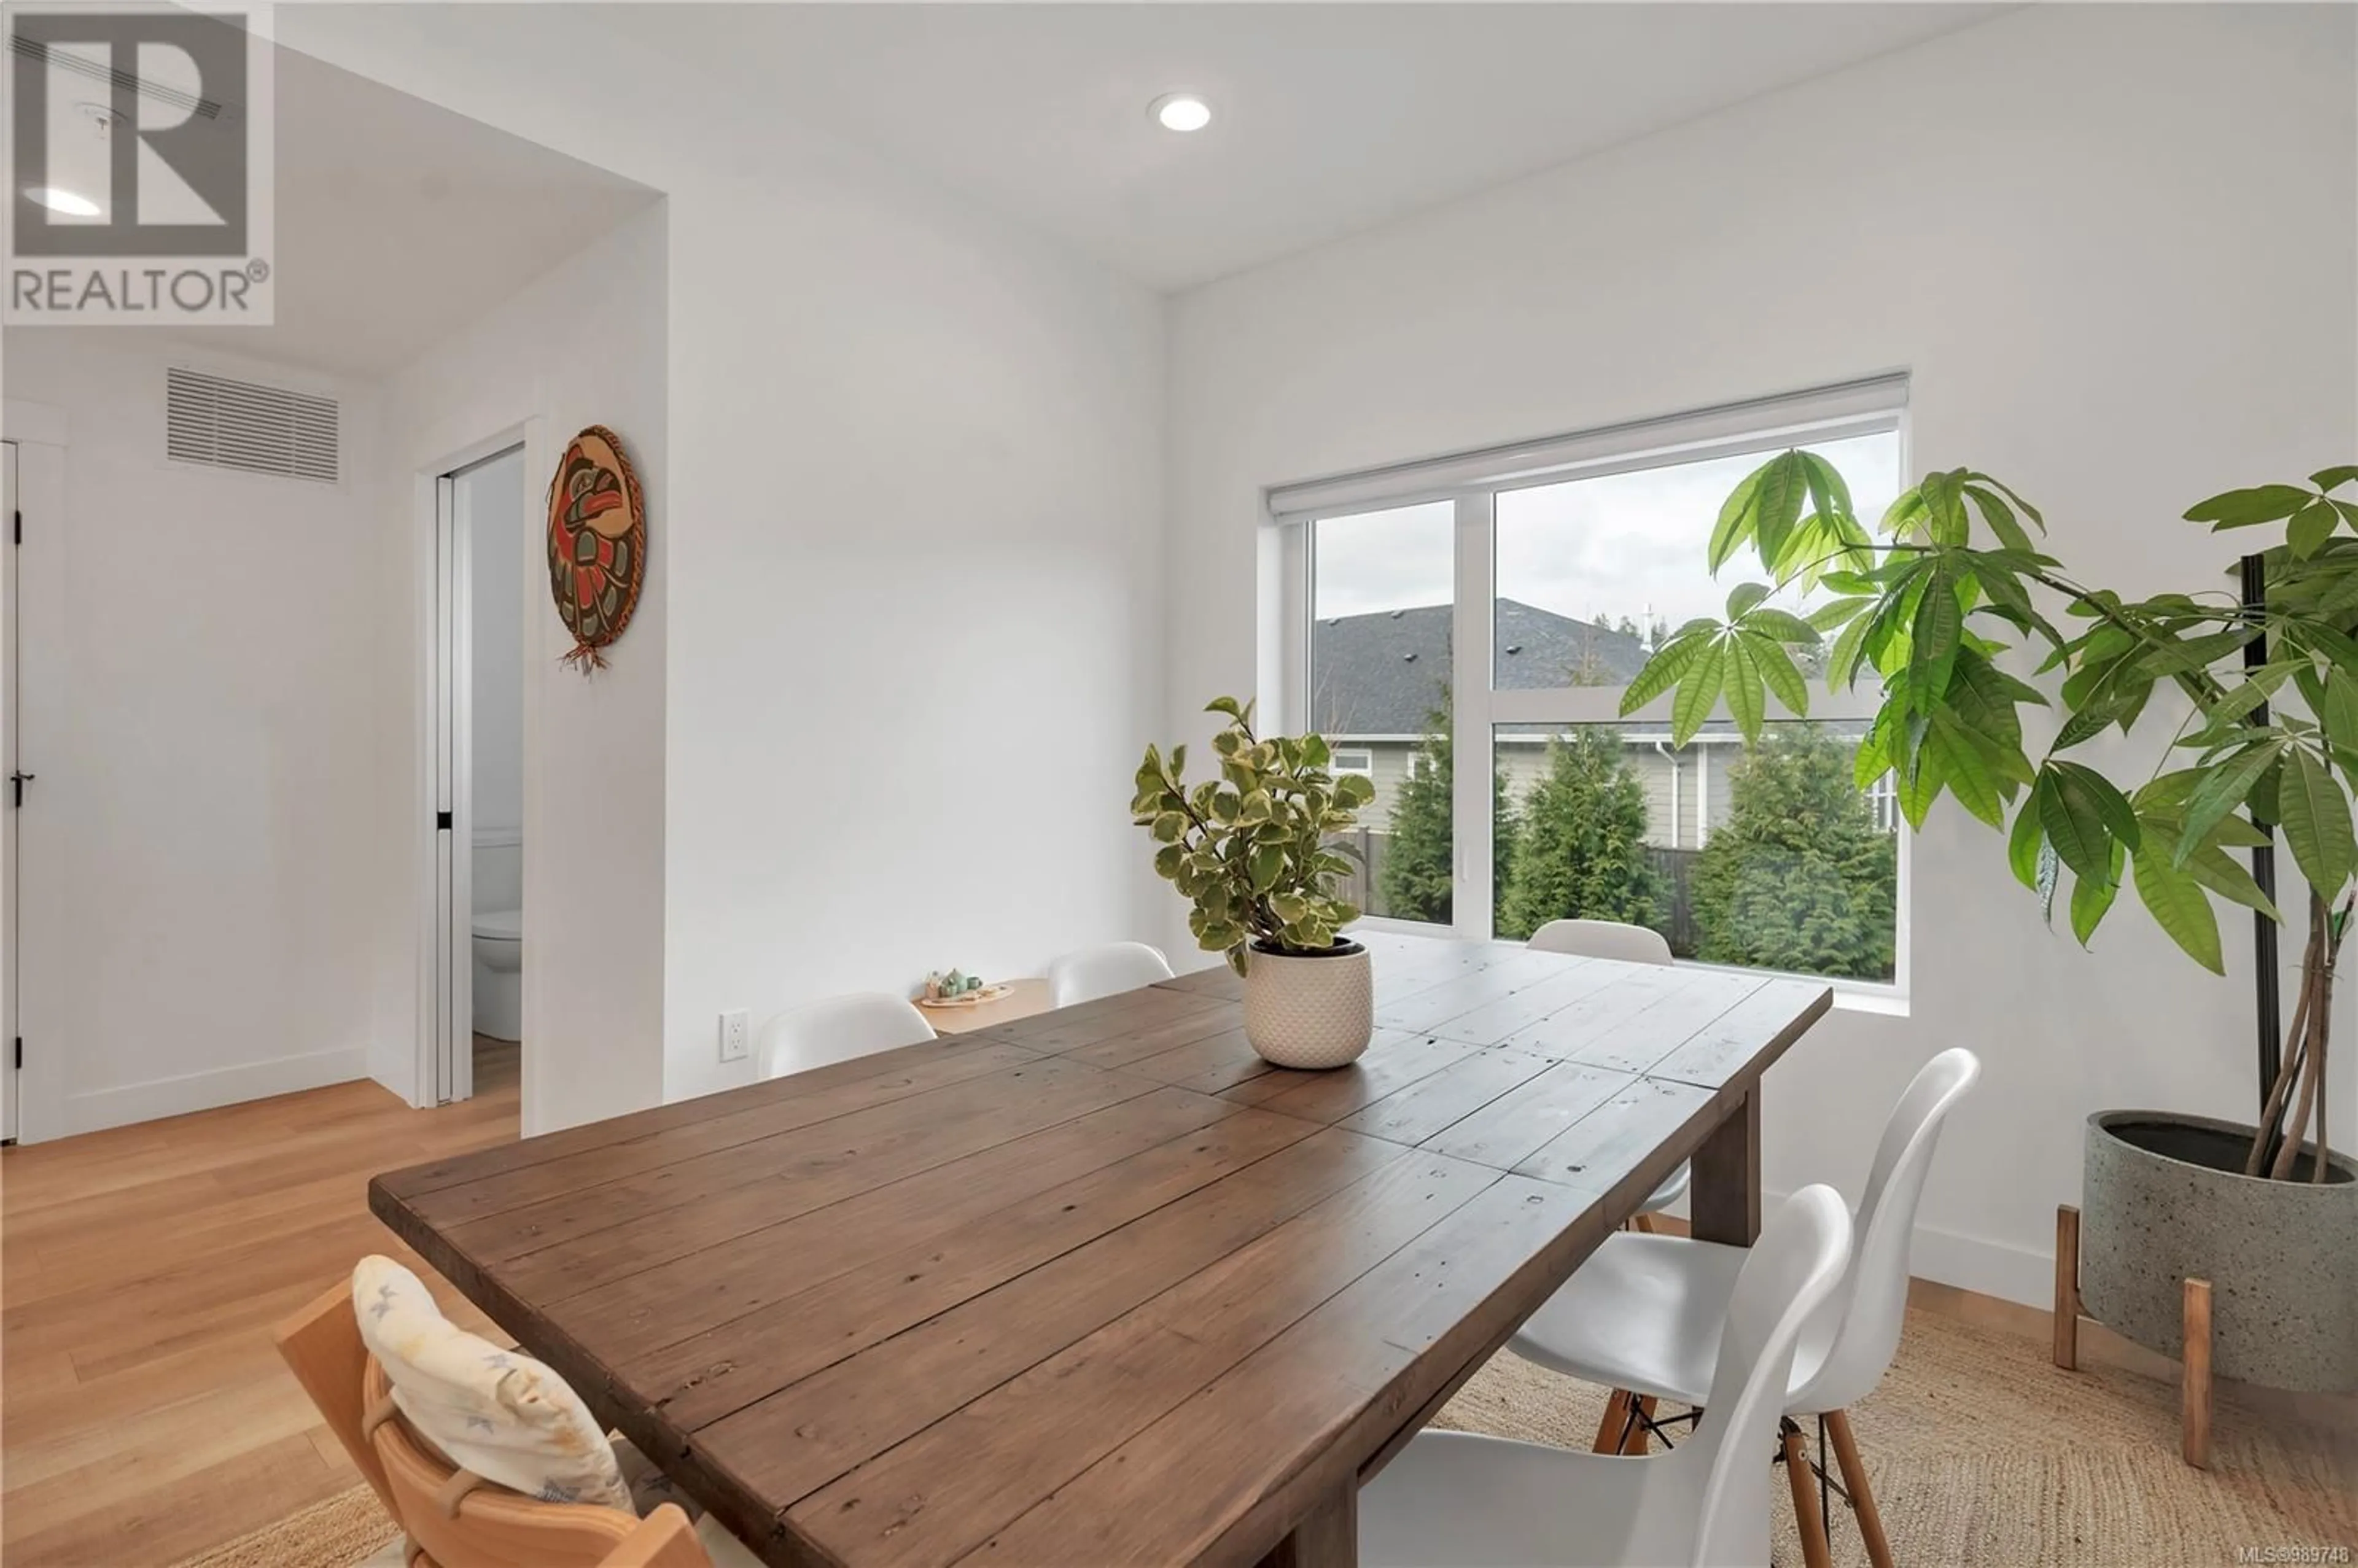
column 2194, row 1366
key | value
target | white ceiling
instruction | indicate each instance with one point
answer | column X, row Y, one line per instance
column 398, row 223
column 1329, row 119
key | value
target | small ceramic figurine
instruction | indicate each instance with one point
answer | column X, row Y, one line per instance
column 952, row 986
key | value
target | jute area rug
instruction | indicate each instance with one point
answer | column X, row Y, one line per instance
column 1982, row 1454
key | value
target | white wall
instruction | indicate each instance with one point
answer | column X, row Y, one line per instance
column 586, row 344
column 196, row 847
column 2113, row 245
column 913, row 525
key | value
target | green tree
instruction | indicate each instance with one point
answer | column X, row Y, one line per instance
column 1580, row 849
column 1799, row 877
column 1416, row 876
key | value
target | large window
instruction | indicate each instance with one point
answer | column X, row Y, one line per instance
column 1509, row 789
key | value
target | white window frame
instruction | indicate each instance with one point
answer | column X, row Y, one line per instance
column 1472, row 482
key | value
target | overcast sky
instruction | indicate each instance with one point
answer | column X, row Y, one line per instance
column 1626, row 543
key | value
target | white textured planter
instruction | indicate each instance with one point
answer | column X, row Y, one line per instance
column 1309, row 1009
column 2165, row 1199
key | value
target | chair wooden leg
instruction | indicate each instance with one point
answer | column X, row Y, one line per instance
column 1815, row 1551
column 1862, row 1498
column 1641, row 1441
column 1643, row 1223
column 2067, row 1287
column 2194, row 1391
column 1615, row 1421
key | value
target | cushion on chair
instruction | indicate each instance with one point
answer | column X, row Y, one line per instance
column 496, row 1412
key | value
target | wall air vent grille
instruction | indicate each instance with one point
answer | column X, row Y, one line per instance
column 240, row 425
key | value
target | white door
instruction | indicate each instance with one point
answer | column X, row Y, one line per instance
column 478, row 518
column 454, row 997
column 12, row 1050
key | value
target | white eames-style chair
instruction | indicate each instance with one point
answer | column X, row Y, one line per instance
column 860, row 1023
column 1629, row 945
column 1643, row 1315
column 1091, row 972
column 1455, row 1500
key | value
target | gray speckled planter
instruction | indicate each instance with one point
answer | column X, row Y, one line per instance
column 2165, row 1199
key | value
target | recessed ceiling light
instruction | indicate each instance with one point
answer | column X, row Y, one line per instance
column 1181, row 112
column 57, row 198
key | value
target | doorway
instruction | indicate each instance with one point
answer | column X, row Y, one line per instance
column 477, row 762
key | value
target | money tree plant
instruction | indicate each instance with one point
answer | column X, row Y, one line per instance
column 1250, row 849
column 1929, row 603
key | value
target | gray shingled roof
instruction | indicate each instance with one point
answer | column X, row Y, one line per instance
column 1383, row 674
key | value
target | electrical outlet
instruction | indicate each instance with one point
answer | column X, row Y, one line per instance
column 734, row 1044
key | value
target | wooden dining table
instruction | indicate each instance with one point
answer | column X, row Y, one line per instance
column 1101, row 1286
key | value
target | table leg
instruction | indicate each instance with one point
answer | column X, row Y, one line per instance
column 1726, row 1202
column 1328, row 1537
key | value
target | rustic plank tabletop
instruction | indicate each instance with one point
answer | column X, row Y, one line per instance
column 1100, row 1285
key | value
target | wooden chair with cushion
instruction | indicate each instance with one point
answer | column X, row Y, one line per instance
column 453, row 1519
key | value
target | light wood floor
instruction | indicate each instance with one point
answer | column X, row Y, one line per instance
column 143, row 1413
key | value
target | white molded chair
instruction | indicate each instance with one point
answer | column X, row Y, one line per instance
column 1603, row 939
column 1455, row 1500
column 1092, row 972
column 860, row 1023
column 1630, row 944
column 1643, row 1315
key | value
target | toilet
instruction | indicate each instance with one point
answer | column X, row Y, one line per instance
column 498, row 973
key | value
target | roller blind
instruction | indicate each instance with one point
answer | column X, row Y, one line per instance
column 1829, row 413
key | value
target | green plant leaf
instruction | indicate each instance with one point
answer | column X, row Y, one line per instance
column 2309, row 528
column 1744, row 685
column 2024, row 843
column 2315, row 816
column 1933, row 637
column 1743, row 597
column 2226, row 785
column 2090, row 897
column 1781, row 624
column 1783, row 483
column 1842, row 660
column 1964, row 768
column 1735, row 518
column 2083, row 783
column 1839, row 613
column 1698, row 692
column 2244, row 508
column 2222, row 873
column 2020, row 505
column 2334, row 478
column 1673, row 659
column 1829, row 493
column 2177, row 905
column 2072, row 826
column 1227, row 704
column 2000, row 518
column 2340, row 708
column 1783, row 678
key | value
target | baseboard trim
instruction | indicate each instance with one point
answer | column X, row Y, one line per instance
column 1974, row 1263
column 159, row 1098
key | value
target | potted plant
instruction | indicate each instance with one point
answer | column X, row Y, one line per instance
column 1251, row 849
column 2262, row 703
